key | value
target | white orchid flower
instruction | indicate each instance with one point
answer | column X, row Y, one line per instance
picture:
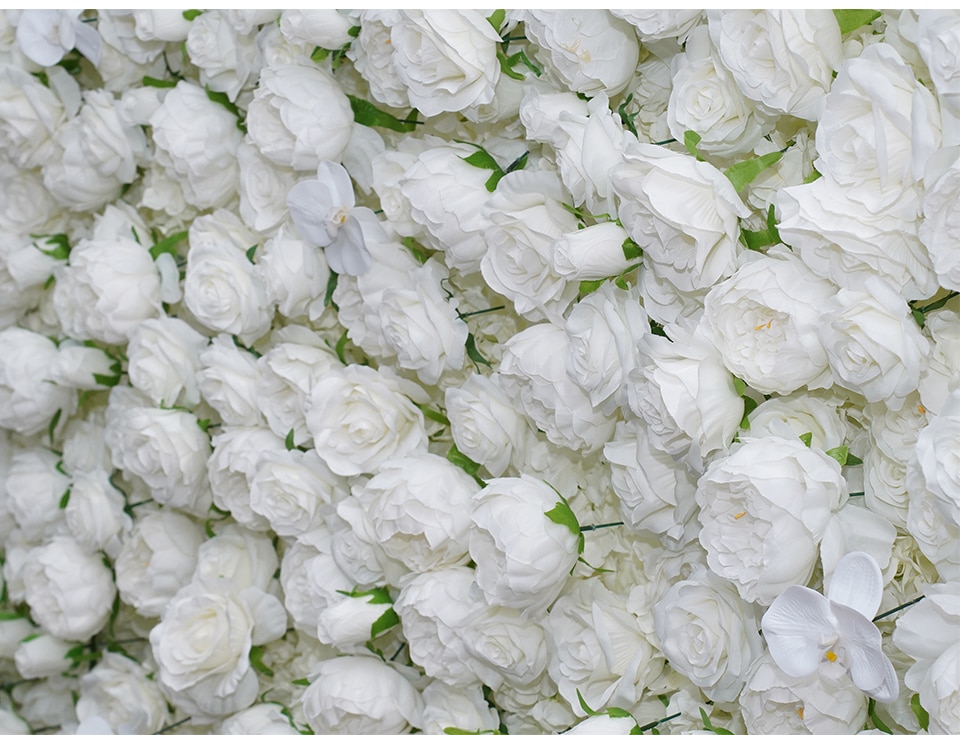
column 323, row 213
column 46, row 35
column 804, row 629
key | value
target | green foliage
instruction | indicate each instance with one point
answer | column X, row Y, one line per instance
column 251, row 252
column 496, row 19
column 762, row 238
column 331, row 287
column 191, row 14
column 288, row 441
column 563, row 514
column 461, row 460
column 850, row 20
column 59, row 245
column 64, row 499
column 741, row 174
column 368, row 114
column 256, row 661
column 807, row 438
column 168, row 244
column 690, row 142
column 921, row 714
column 221, row 99
column 420, row 253
column 875, row 718
column 631, row 250
column 160, row 83
column 474, row 353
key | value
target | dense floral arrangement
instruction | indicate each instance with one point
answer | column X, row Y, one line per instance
column 449, row 372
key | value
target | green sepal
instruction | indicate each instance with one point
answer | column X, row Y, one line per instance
column 340, row 348
column 807, row 438
column 256, row 661
column 8, row 615
column 690, row 141
column 616, row 712
column 388, row 620
column 850, row 20
column 711, row 728
column 208, row 528
column 168, row 244
column 630, row 249
column 919, row 712
column 840, row 454
column 31, row 637
column 562, row 513
column 191, row 14
column 353, row 31
column 473, row 352
column 588, row 287
column 740, row 386
column 288, row 441
column 496, row 19
column 61, row 246
column 65, row 499
column 251, row 252
column 107, row 380
column 741, row 174
column 366, row 113
column 813, row 176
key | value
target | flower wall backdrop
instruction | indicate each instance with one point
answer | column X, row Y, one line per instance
column 457, row 372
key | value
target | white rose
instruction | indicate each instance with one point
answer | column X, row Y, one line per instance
column 445, row 195
column 290, row 488
column 166, row 449
column 325, row 28
column 372, row 56
column 34, row 489
column 25, row 203
column 299, row 117
column 655, row 490
column 797, row 414
column 937, row 458
column 157, row 559
column 41, row 656
column 227, row 381
column 681, row 382
column 222, row 288
column 118, row 690
column 107, row 288
column 29, row 399
column 432, row 607
column 419, row 511
column 287, row 373
column 232, row 467
column 927, row 634
column 446, row 59
column 485, row 425
column 161, row 25
column 580, row 632
column 86, row 368
column 95, row 514
column 309, row 579
column 533, row 373
column 240, row 557
column 12, row 632
column 30, row 115
column 69, row 591
column 464, row 708
column 782, row 59
column 764, row 509
column 706, row 100
column 203, row 643
column 943, row 362
column 655, row 25
column 355, row 694
column 263, row 189
column 421, row 325
column 771, row 701
column 936, row 535
column 842, row 239
column 164, row 358
column 590, row 50
column 873, row 343
column 260, row 719
column 591, row 253
column 294, row 274
column 940, row 211
column 708, row 634
column 764, row 323
column 659, row 189
column 523, row 557
column 358, row 419
column 527, row 216
column 196, row 142
column 878, row 125
column 936, row 33
column 227, row 59
column 605, row 330
column 118, row 29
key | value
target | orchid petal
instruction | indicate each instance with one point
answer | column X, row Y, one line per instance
column 341, row 187
column 864, row 657
column 309, row 203
column 889, row 689
column 857, row 583
column 796, row 627
column 349, row 253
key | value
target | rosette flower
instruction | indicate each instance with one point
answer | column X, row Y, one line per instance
column 803, row 628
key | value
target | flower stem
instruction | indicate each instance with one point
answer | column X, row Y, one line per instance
column 482, row 311
column 170, row 727
column 595, row 526
column 898, row 609
column 651, row 725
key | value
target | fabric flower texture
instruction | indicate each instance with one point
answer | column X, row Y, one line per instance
column 324, row 214
column 804, row 629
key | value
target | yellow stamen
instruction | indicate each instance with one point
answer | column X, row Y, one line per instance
column 739, row 515
column 800, row 713
column 920, row 408
column 763, row 326
column 831, row 656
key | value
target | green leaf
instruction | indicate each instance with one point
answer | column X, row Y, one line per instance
column 621, row 280
column 853, row 460
column 434, row 415
column 919, row 317
column 53, row 424
column 204, row 424
column 7, row 615
column 875, row 718
column 331, row 287
column 65, row 499
column 586, row 707
column 921, row 714
column 813, row 176
column 288, row 441
column 161, row 83
column 496, row 19
column 366, row 113
column 630, row 249
column 168, row 244
column 386, row 621
column 340, row 348
column 706, row 720
column 474, row 353
column 839, row 453
column 353, row 31
column 221, row 99
column 416, row 250
column 251, row 252
column 106, row 380
column 748, row 405
column 461, row 460
column 741, row 174
column 850, row 20
column 60, row 249
column 740, row 386
column 191, row 14
column 807, row 438
column 301, row 682
column 626, row 118
column 319, row 54
column 690, row 141
column 616, row 712
column 519, row 163
column 588, row 287
column 562, row 513
column 31, row 637
column 256, row 661
column 482, row 159
column 208, row 528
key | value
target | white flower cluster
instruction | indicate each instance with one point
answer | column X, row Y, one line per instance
column 460, row 372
